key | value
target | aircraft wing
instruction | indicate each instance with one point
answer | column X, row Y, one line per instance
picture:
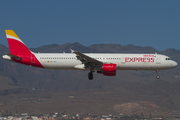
column 86, row 59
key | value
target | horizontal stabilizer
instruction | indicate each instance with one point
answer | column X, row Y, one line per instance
column 13, row 56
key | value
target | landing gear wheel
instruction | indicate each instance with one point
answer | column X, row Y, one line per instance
column 157, row 77
column 90, row 76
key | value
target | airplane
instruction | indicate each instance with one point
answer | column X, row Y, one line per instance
column 103, row 63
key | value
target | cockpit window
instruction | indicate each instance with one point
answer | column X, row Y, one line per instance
column 168, row 58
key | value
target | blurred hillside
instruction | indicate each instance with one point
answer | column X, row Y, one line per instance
column 133, row 87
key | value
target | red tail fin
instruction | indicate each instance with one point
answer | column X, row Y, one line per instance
column 19, row 52
column 16, row 46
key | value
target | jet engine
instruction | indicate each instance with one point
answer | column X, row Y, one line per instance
column 109, row 69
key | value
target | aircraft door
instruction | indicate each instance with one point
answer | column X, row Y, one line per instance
column 32, row 59
column 158, row 59
column 123, row 59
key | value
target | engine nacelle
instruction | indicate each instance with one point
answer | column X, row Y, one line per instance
column 109, row 69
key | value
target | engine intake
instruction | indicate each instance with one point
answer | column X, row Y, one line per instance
column 109, row 69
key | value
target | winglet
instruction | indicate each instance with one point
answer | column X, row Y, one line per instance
column 72, row 51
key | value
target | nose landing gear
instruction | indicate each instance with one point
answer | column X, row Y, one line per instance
column 157, row 75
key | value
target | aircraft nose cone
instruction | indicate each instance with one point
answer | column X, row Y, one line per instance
column 174, row 64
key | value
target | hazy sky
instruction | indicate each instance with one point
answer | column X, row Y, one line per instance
column 153, row 23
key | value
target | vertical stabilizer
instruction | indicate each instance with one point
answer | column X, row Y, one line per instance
column 16, row 46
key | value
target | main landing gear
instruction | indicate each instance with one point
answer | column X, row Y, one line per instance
column 90, row 75
column 157, row 75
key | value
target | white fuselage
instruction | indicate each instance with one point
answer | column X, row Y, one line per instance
column 123, row 61
column 105, row 64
